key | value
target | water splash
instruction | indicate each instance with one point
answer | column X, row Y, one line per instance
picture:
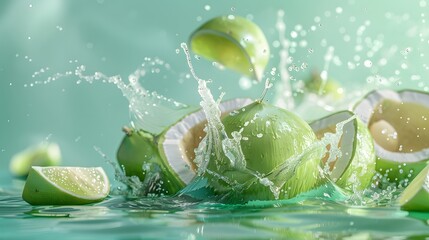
column 284, row 97
column 149, row 110
column 216, row 140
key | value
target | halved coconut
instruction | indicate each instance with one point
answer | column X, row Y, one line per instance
column 398, row 122
column 177, row 143
column 165, row 163
column 355, row 167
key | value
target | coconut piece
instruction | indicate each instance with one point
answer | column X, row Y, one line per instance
column 177, row 143
column 164, row 163
column 400, row 117
column 355, row 167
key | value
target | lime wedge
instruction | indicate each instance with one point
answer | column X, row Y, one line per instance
column 416, row 196
column 235, row 42
column 46, row 154
column 65, row 185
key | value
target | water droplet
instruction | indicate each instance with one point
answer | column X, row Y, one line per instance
column 259, row 135
column 339, row 10
column 367, row 63
column 317, row 19
column 207, row 7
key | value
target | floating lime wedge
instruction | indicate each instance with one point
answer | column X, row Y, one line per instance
column 65, row 185
column 235, row 42
column 416, row 196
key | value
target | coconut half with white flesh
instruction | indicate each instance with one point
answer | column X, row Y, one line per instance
column 178, row 143
column 398, row 122
column 354, row 168
column 164, row 163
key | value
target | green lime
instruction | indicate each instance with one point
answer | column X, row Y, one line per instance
column 46, row 154
column 416, row 196
column 235, row 42
column 65, row 185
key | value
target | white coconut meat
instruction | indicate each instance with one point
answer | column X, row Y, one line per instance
column 180, row 141
column 346, row 145
column 399, row 124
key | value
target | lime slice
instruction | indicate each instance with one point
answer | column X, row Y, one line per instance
column 398, row 123
column 416, row 196
column 46, row 154
column 235, row 42
column 65, row 185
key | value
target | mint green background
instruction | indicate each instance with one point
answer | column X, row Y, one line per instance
column 114, row 37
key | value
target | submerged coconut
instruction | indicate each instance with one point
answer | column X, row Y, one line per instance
column 273, row 142
column 354, row 168
column 164, row 163
column 398, row 122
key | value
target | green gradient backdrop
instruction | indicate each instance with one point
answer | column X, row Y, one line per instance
column 114, row 37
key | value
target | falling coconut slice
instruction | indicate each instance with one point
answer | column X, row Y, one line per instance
column 416, row 196
column 165, row 163
column 398, row 122
column 354, row 168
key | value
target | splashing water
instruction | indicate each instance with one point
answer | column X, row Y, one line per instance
column 284, row 97
column 143, row 105
column 216, row 137
column 218, row 143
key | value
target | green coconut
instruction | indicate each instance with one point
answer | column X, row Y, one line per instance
column 355, row 168
column 398, row 122
column 165, row 163
column 328, row 87
column 138, row 156
column 274, row 143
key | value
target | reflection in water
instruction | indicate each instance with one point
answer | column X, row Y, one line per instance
column 185, row 218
